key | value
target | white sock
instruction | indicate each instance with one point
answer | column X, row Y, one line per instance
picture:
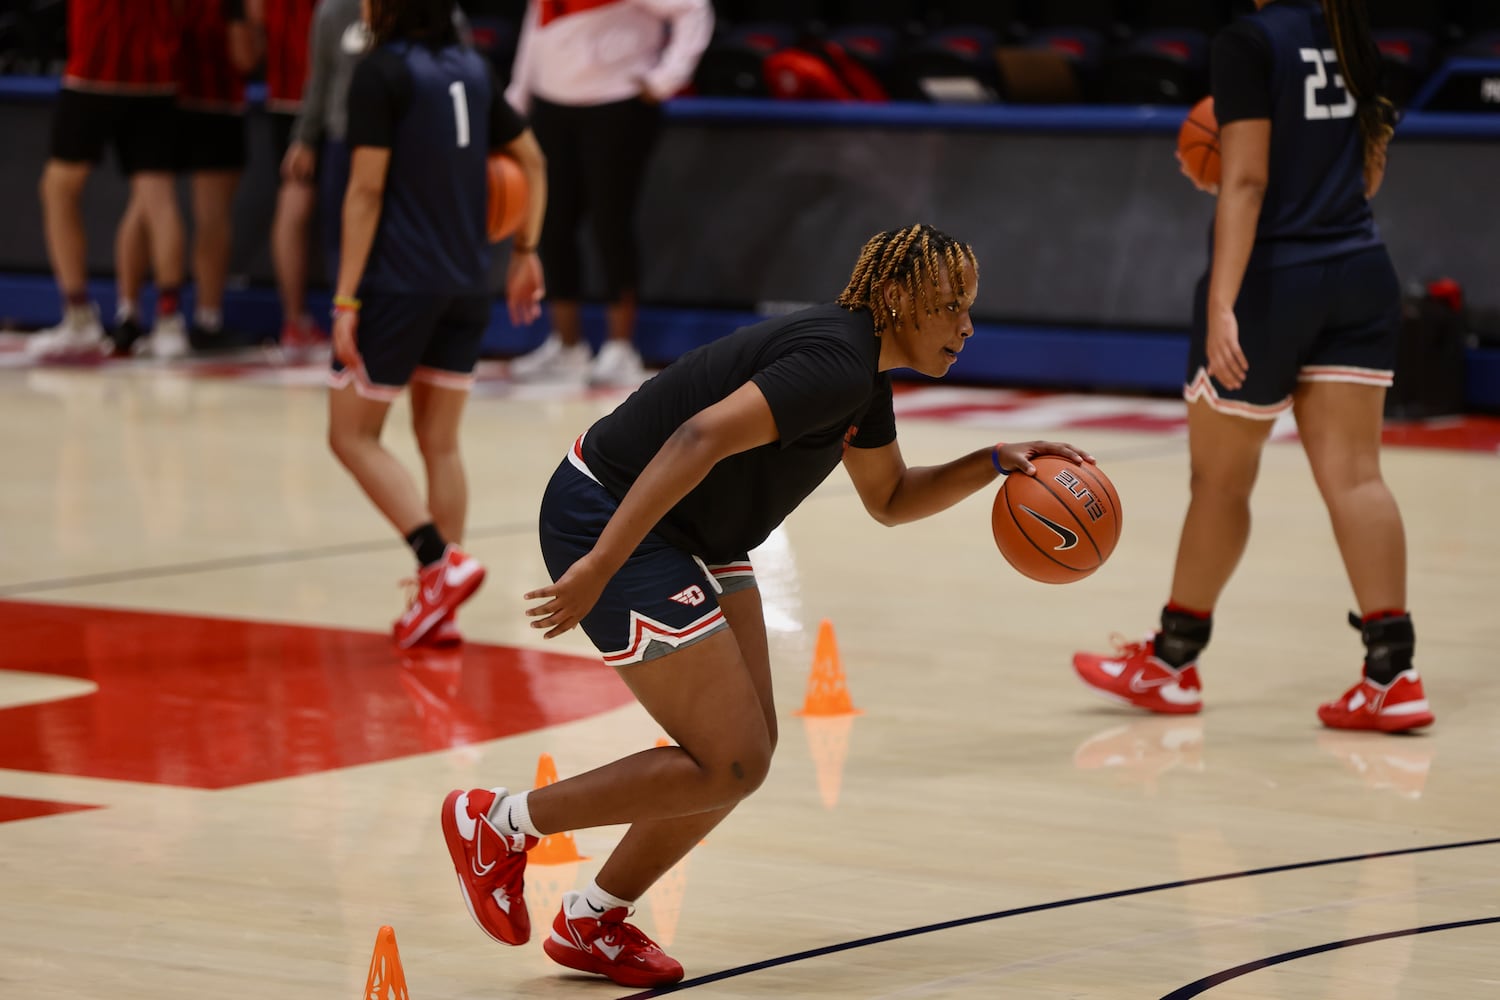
column 208, row 319
column 594, row 901
column 510, row 813
column 126, row 309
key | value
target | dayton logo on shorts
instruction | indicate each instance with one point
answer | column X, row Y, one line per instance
column 849, row 435
column 692, row 597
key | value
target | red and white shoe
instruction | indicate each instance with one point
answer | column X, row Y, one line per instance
column 1388, row 708
column 444, row 635
column 607, row 946
column 491, row 864
column 441, row 588
column 1134, row 675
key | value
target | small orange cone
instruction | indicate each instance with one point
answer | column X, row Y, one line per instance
column 387, row 980
column 554, row 848
column 828, row 742
column 827, row 692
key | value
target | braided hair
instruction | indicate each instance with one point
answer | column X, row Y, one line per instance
column 916, row 257
column 1359, row 62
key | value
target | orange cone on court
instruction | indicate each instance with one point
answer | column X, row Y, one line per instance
column 828, row 743
column 387, row 980
column 827, row 691
column 554, row 848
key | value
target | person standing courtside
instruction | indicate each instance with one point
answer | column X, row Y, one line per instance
column 411, row 303
column 117, row 89
column 591, row 75
column 218, row 49
column 1300, row 310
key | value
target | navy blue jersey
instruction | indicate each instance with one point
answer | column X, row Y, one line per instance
column 438, row 111
column 1280, row 63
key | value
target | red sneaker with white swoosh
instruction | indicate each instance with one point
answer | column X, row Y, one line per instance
column 1387, row 708
column 1135, row 676
column 441, row 588
column 491, row 864
column 607, row 946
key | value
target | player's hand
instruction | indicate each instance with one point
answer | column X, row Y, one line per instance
column 345, row 339
column 568, row 600
column 524, row 288
column 1212, row 189
column 1017, row 457
column 1226, row 362
column 299, row 163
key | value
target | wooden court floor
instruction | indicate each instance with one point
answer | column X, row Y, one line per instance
column 218, row 779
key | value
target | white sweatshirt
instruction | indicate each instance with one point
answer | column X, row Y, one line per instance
column 584, row 52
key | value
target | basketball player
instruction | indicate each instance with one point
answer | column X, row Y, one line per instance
column 646, row 528
column 1299, row 311
column 216, row 53
column 411, row 304
column 117, row 89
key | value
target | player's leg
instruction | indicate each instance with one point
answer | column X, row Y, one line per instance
column 1227, row 431
column 218, row 159
column 132, row 261
column 80, row 129
column 296, row 200
column 1340, row 405
column 149, row 154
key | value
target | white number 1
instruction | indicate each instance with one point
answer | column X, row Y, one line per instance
column 460, row 112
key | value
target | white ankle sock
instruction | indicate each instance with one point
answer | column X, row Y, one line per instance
column 594, row 901
column 208, row 319
column 510, row 814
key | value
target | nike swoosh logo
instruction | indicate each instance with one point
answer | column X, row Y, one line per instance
column 1140, row 685
column 1069, row 538
column 596, row 909
column 516, row 829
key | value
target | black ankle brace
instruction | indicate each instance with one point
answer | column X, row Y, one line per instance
column 1390, row 644
column 1182, row 637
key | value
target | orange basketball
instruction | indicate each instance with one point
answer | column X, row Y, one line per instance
column 1198, row 143
column 1059, row 525
column 507, row 197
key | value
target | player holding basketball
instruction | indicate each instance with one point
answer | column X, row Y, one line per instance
column 1299, row 310
column 646, row 528
column 411, row 304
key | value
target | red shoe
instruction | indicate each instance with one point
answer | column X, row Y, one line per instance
column 491, row 865
column 608, row 946
column 1390, row 708
column 444, row 635
column 1136, row 677
column 441, row 588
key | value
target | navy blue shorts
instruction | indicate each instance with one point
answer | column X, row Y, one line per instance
column 661, row 600
column 1328, row 321
column 422, row 338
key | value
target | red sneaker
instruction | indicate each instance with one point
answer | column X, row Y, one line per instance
column 607, row 946
column 441, row 588
column 1136, row 677
column 1390, row 708
column 444, row 635
column 491, row 865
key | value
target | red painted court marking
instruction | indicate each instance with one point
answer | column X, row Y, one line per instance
column 12, row 808
column 211, row 703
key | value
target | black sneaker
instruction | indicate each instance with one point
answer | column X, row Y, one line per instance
column 126, row 332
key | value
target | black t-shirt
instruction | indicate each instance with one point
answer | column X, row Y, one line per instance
column 817, row 370
column 380, row 93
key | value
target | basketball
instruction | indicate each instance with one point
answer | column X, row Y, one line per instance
column 1198, row 143
column 507, row 197
column 1059, row 525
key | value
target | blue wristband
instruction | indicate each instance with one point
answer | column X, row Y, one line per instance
column 995, row 461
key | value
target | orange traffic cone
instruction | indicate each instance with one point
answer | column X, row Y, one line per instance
column 554, row 848
column 387, row 980
column 828, row 742
column 827, row 693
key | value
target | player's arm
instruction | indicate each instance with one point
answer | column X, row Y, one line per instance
column 739, row 422
column 895, row 494
column 247, row 42
column 692, row 27
column 527, row 152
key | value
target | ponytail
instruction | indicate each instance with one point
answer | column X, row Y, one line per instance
column 1359, row 61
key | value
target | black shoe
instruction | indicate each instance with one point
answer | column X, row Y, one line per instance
column 126, row 332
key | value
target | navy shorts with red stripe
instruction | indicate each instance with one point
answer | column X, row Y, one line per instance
column 661, row 600
column 1334, row 320
column 415, row 338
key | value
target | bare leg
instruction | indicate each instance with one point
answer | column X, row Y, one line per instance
column 620, row 317
column 132, row 253
column 650, row 848
column 567, row 321
column 354, row 426
column 289, row 235
column 1339, row 425
column 436, row 414
column 1225, row 452
column 213, row 204
column 158, row 200
column 61, row 191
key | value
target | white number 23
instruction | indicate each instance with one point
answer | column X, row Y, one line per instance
column 1317, row 80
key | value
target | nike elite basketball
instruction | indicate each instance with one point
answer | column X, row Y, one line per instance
column 1059, row 525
